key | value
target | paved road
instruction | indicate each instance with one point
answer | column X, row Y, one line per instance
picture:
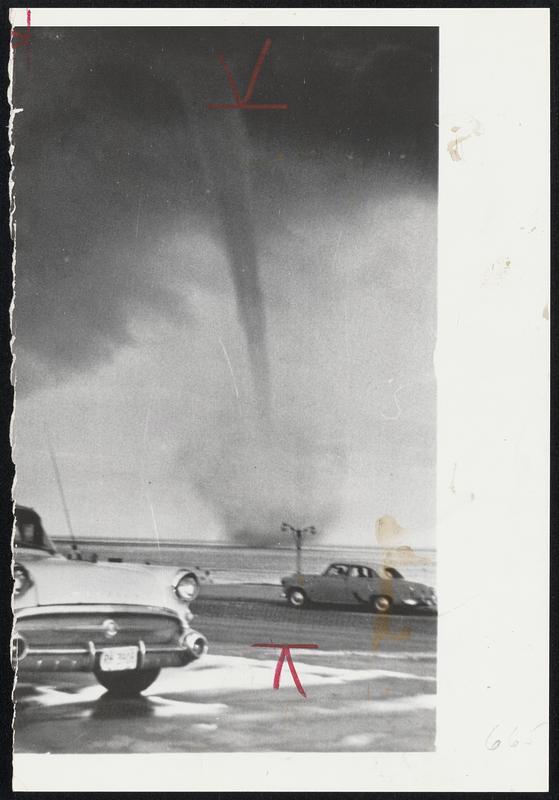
column 369, row 687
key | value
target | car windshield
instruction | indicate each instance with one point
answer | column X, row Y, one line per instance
column 29, row 532
column 388, row 572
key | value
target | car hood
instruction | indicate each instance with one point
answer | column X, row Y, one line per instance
column 297, row 578
column 57, row 582
column 419, row 588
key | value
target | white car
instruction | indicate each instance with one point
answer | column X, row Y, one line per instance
column 121, row 622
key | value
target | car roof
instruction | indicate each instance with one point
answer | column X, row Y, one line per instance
column 25, row 511
column 370, row 565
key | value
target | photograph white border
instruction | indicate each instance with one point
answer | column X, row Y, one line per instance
column 492, row 368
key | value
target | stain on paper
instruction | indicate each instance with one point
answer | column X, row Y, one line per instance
column 461, row 134
column 382, row 629
column 390, row 535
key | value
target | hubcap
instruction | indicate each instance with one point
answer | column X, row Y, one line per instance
column 297, row 598
column 382, row 603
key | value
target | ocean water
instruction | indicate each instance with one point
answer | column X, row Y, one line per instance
column 234, row 564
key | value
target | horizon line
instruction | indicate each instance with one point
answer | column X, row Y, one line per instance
column 217, row 544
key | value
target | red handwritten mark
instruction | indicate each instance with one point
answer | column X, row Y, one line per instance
column 285, row 655
column 244, row 102
column 25, row 37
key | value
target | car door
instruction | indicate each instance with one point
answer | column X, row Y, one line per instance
column 381, row 583
column 332, row 586
column 359, row 584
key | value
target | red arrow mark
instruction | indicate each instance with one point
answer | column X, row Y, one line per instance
column 244, row 102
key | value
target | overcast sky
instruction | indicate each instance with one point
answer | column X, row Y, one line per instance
column 226, row 319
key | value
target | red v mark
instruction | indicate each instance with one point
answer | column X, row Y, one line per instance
column 25, row 37
column 245, row 101
column 285, row 655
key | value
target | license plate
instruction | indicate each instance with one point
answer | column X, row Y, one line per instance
column 116, row 659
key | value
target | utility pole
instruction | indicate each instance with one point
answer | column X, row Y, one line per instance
column 298, row 533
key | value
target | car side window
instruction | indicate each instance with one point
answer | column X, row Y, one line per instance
column 359, row 572
column 337, row 569
column 366, row 572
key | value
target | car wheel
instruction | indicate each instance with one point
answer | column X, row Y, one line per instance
column 381, row 604
column 127, row 683
column 297, row 598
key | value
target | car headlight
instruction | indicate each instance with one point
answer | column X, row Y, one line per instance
column 22, row 580
column 186, row 587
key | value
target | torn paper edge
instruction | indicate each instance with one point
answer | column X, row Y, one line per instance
column 12, row 229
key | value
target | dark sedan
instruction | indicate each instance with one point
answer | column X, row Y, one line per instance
column 378, row 586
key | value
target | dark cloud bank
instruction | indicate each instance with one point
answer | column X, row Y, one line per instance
column 116, row 153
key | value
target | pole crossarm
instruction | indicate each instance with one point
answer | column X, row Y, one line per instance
column 298, row 531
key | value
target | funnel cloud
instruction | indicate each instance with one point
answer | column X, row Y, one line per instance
column 227, row 318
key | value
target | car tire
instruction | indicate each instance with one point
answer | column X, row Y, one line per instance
column 126, row 683
column 381, row 603
column 297, row 598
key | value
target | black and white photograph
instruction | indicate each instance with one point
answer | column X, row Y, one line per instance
column 225, row 431
column 255, row 271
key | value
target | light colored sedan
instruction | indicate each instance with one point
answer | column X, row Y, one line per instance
column 378, row 586
column 121, row 622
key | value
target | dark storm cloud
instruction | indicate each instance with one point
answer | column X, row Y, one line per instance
column 88, row 172
column 116, row 142
column 117, row 155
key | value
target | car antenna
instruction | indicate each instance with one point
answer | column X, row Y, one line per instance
column 61, row 490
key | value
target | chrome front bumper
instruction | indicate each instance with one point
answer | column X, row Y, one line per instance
column 84, row 655
column 87, row 659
